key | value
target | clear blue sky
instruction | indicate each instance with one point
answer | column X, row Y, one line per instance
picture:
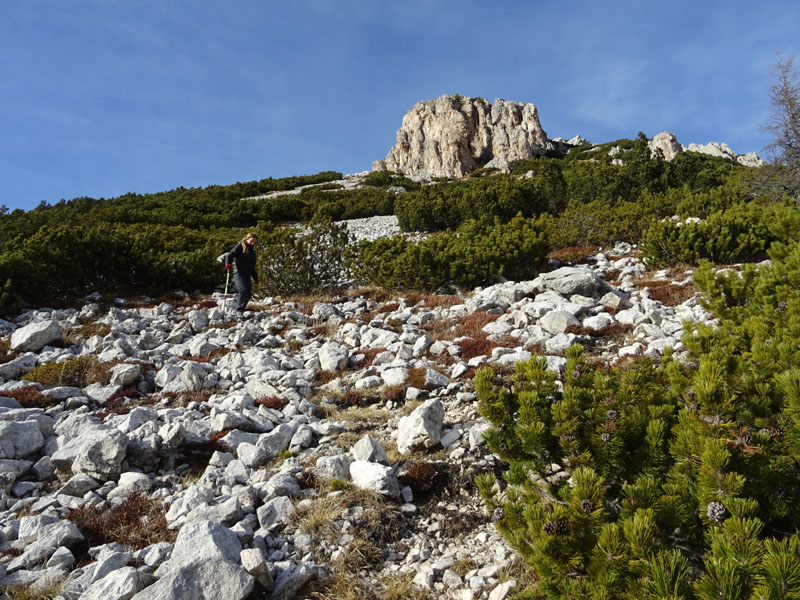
column 103, row 97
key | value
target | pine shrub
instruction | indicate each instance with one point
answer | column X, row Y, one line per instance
column 670, row 479
column 479, row 252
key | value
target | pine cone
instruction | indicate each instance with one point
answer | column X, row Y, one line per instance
column 606, row 437
column 587, row 506
column 716, row 512
column 549, row 528
column 612, row 414
column 562, row 527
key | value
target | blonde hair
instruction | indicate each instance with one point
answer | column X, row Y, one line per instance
column 245, row 247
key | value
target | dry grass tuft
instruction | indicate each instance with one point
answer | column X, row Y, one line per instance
column 369, row 356
column 78, row 371
column 35, row 592
column 5, row 351
column 574, row 254
column 433, row 300
column 375, row 294
column 30, row 397
column 416, row 378
column 481, row 345
column 273, row 402
column 401, row 587
column 668, row 293
column 612, row 331
column 419, row 476
column 388, row 307
column 138, row 523
column 394, row 393
column 472, row 325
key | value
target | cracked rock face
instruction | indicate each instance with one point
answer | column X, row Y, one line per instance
column 454, row 135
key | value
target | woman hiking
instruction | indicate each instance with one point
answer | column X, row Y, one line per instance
column 243, row 256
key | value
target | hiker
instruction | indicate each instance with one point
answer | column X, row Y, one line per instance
column 243, row 256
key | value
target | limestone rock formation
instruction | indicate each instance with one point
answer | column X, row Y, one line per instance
column 454, row 135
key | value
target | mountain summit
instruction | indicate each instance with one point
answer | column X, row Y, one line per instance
column 454, row 135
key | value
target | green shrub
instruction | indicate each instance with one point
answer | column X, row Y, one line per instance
column 479, row 252
column 79, row 371
column 292, row 262
column 662, row 480
column 448, row 205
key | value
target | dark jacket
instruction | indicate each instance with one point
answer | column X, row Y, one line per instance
column 245, row 263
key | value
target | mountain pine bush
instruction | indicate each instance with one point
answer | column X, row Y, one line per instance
column 671, row 479
column 478, row 252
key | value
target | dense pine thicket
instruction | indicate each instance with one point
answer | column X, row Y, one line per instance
column 479, row 229
column 670, row 479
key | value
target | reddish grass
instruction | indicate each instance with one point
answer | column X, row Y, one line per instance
column 574, row 254
column 480, row 345
column 388, row 307
column 207, row 304
column 273, row 402
column 29, row 397
column 319, row 330
column 419, row 476
column 369, row 356
column 435, row 300
column 667, row 292
column 137, row 523
column 472, row 325
column 395, row 393
column 612, row 330
column 321, row 377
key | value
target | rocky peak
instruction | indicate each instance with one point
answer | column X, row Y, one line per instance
column 454, row 135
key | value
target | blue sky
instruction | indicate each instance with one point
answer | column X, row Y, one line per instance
column 103, row 97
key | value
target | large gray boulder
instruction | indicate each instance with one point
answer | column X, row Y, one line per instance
column 20, row 439
column 35, row 336
column 374, row 477
column 120, row 584
column 101, row 455
column 333, row 356
column 201, row 580
column 421, row 429
column 567, row 281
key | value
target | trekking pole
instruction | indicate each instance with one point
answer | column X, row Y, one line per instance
column 227, row 279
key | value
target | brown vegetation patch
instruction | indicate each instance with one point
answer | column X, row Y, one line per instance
column 273, row 402
column 78, row 371
column 185, row 398
column 369, row 356
column 388, row 307
column 6, row 353
column 137, row 523
column 322, row 376
column 473, row 324
column 433, row 300
column 613, row 330
column 318, row 330
column 416, row 378
column 394, row 393
column 375, row 294
column 481, row 345
column 419, row 476
column 668, row 293
column 573, row 254
column 30, row 397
